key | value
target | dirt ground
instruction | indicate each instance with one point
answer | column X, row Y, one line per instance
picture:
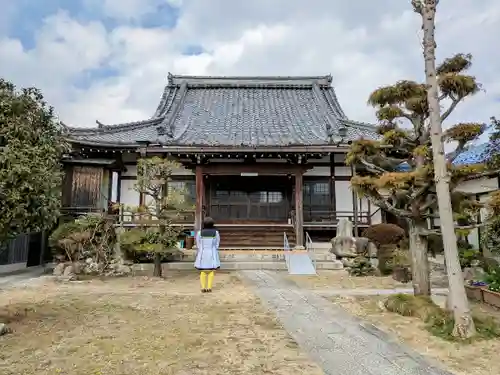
column 340, row 279
column 478, row 358
column 144, row 326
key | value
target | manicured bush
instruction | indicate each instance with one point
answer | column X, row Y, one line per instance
column 384, row 234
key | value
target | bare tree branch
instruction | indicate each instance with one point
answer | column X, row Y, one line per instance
column 382, row 203
column 450, row 109
column 372, row 167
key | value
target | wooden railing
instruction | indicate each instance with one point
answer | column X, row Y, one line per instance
column 145, row 218
column 311, row 217
column 128, row 217
column 332, row 217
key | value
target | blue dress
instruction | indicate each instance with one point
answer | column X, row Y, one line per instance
column 207, row 257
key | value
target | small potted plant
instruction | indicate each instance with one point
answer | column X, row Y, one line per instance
column 491, row 294
column 474, row 290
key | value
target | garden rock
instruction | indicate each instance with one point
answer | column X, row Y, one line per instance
column 91, row 267
column 344, row 247
column 352, row 247
column 59, row 269
column 69, row 273
column 78, row 267
column 4, row 329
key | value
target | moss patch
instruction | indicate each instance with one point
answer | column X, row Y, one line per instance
column 438, row 321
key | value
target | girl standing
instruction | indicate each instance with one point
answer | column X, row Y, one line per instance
column 207, row 257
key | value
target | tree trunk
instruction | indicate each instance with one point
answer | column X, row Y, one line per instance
column 157, row 262
column 157, row 272
column 419, row 261
column 464, row 325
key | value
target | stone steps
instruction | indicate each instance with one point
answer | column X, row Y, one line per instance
column 248, row 255
column 235, row 265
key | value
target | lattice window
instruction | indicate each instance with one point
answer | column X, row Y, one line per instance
column 274, row 197
column 188, row 187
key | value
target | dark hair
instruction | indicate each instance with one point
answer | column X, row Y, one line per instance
column 208, row 223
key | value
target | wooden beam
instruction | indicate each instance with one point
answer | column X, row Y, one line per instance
column 261, row 169
column 333, row 178
column 299, row 209
column 200, row 192
column 142, row 198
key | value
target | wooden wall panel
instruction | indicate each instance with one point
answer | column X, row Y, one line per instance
column 86, row 186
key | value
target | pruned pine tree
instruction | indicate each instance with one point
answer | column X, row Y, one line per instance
column 165, row 203
column 396, row 172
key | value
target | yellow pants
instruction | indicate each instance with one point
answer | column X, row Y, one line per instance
column 207, row 279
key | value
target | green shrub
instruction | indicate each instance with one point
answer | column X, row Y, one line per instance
column 141, row 244
column 490, row 237
column 385, row 256
column 89, row 236
column 384, row 234
column 493, row 279
column 435, row 244
column 361, row 266
column 468, row 255
column 488, row 264
column 409, row 305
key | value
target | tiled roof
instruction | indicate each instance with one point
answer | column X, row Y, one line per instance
column 475, row 154
column 235, row 112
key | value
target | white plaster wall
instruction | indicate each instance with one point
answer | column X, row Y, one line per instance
column 483, row 185
column 318, row 171
column 131, row 171
column 473, row 238
column 377, row 216
column 343, row 196
column 474, row 235
column 128, row 196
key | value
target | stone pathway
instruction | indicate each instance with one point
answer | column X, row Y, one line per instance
column 339, row 342
column 22, row 278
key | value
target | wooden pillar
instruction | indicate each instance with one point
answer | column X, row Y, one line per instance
column 355, row 200
column 333, row 197
column 142, row 197
column 200, row 192
column 299, row 212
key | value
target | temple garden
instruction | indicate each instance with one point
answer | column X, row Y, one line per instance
column 143, row 325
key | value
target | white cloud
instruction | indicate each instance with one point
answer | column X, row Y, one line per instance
column 362, row 44
column 129, row 9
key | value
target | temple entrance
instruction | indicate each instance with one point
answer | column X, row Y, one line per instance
column 234, row 199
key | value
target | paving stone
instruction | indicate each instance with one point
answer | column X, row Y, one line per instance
column 340, row 343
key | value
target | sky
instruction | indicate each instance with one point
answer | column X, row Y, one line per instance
column 108, row 60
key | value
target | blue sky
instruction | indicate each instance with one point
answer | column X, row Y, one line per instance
column 109, row 59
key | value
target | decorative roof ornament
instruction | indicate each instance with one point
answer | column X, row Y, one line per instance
column 161, row 130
